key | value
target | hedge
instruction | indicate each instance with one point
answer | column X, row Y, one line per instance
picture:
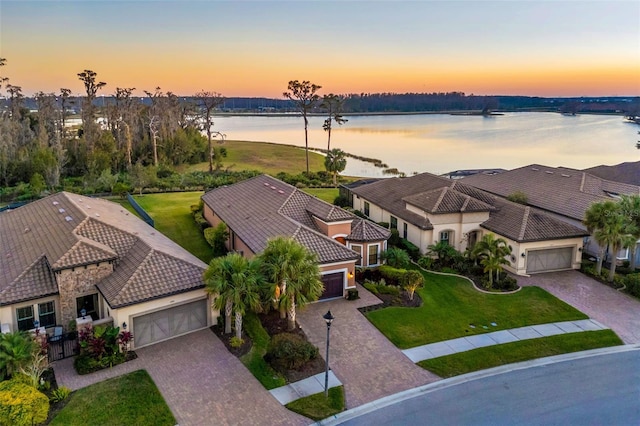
column 22, row 405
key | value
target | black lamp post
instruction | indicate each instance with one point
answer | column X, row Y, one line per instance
column 328, row 318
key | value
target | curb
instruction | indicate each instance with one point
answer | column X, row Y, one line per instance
column 432, row 387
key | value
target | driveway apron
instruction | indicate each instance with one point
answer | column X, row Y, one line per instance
column 369, row 365
column 616, row 310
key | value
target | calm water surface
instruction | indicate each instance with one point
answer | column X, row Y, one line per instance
column 440, row 143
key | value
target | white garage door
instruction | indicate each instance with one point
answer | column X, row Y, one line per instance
column 168, row 323
column 549, row 260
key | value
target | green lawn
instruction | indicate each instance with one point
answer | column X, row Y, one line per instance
column 266, row 157
column 172, row 215
column 451, row 306
column 317, row 407
column 325, row 194
column 132, row 399
column 493, row 356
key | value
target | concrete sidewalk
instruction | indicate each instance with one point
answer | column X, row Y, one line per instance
column 300, row 389
column 462, row 344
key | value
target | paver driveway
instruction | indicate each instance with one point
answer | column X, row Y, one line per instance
column 369, row 365
column 612, row 308
column 202, row 383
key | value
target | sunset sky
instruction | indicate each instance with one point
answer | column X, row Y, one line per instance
column 242, row 48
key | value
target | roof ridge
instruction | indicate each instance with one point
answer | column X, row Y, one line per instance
column 466, row 202
column 584, row 177
column 443, row 192
column 26, row 270
column 525, row 221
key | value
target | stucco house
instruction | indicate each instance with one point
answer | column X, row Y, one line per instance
column 426, row 209
column 67, row 252
column 263, row 207
column 559, row 191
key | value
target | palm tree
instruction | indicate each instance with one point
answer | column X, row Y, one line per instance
column 335, row 162
column 236, row 281
column 304, row 97
column 598, row 219
column 293, row 272
column 396, row 257
column 613, row 235
column 491, row 252
column 16, row 350
column 333, row 104
column 443, row 251
column 630, row 205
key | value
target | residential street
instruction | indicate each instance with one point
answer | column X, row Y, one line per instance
column 596, row 390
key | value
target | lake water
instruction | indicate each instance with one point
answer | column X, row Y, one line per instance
column 439, row 143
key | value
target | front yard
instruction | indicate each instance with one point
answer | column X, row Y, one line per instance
column 453, row 308
column 132, row 399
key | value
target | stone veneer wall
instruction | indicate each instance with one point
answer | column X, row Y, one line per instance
column 76, row 282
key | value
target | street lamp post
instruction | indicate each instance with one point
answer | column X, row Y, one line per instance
column 328, row 318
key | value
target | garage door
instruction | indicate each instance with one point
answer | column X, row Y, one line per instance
column 168, row 323
column 333, row 285
column 549, row 260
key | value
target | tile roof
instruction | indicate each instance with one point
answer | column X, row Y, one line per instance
column 68, row 230
column 435, row 195
column 263, row 207
column 628, row 173
column 365, row 230
column 447, row 200
column 560, row 190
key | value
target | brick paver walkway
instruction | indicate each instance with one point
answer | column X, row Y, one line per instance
column 202, row 382
column 369, row 366
column 612, row 308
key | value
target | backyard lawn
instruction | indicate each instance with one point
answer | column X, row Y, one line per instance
column 325, row 194
column 172, row 215
column 453, row 308
column 132, row 399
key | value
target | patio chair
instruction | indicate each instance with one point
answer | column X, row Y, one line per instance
column 57, row 334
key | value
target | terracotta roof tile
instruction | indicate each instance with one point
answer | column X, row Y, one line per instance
column 365, row 230
column 447, row 200
column 37, row 280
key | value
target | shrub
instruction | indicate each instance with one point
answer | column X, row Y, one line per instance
column 290, row 351
column 201, row 221
column 341, row 201
column 394, row 276
column 632, row 281
column 425, row 262
column 394, row 239
column 217, row 239
column 21, row 404
column 412, row 249
column 236, row 342
column 396, row 257
column 371, row 286
column 384, row 224
column 60, row 394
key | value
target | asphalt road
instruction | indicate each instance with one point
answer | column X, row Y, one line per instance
column 597, row 390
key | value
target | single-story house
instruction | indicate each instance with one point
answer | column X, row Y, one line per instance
column 427, row 209
column 263, row 207
column 559, row 191
column 67, row 253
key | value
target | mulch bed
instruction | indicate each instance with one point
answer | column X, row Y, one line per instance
column 273, row 324
column 390, row 300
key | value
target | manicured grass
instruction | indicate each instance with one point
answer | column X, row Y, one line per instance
column 317, row 407
column 132, row 399
column 254, row 360
column 171, row 212
column 266, row 157
column 493, row 356
column 451, row 305
column 325, row 194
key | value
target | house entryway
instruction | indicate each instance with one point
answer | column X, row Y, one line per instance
column 63, row 346
column 167, row 323
column 556, row 259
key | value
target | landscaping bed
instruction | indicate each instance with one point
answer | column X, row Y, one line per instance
column 272, row 324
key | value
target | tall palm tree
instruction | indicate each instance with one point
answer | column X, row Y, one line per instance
column 293, row 272
column 491, row 251
column 630, row 205
column 335, row 162
column 613, row 235
column 236, row 281
column 333, row 104
column 304, row 97
column 600, row 220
